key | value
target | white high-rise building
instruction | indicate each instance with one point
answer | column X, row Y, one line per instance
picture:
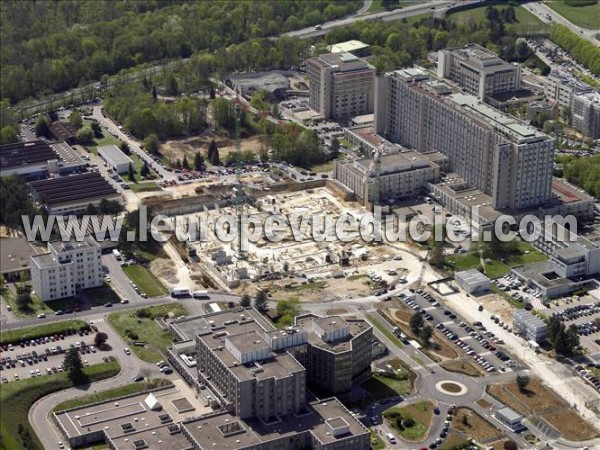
column 492, row 151
column 66, row 268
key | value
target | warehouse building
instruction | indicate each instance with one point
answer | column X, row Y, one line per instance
column 472, row 281
column 528, row 326
column 71, row 194
column 115, row 158
column 64, row 131
column 38, row 159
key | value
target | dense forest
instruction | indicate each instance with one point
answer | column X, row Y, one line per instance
column 51, row 46
column 583, row 172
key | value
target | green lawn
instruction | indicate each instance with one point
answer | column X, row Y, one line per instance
column 375, row 321
column 454, row 441
column 129, row 324
column 380, row 387
column 583, row 16
column 120, row 391
column 37, row 306
column 17, row 397
column 376, row 442
column 39, row 331
column 145, row 280
column 421, row 413
column 524, row 18
column 145, row 186
column 107, row 139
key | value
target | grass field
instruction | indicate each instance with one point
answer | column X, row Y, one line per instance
column 421, row 413
column 376, row 442
column 133, row 323
column 37, row 331
column 454, row 441
column 583, row 16
column 473, row 425
column 112, row 393
column 37, row 306
column 107, row 139
column 145, row 186
column 524, row 17
column 17, row 397
column 145, row 280
column 465, row 367
column 380, row 387
column 381, row 327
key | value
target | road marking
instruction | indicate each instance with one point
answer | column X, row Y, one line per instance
column 93, row 321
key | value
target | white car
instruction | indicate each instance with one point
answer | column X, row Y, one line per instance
column 127, row 351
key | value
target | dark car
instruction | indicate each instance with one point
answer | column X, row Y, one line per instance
column 436, row 411
column 108, row 305
column 137, row 379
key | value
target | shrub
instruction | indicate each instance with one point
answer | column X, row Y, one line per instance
column 408, row 422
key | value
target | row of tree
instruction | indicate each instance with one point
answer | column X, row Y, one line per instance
column 582, row 50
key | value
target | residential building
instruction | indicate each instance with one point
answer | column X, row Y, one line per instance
column 478, row 71
column 528, row 326
column 472, row 281
column 585, row 114
column 493, row 152
column 341, row 85
column 115, row 158
column 338, row 352
column 561, row 87
column 72, row 194
column 67, row 268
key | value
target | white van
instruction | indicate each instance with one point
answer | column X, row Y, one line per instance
column 200, row 294
column 391, row 438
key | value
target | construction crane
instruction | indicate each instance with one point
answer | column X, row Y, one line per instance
column 375, row 167
column 239, row 191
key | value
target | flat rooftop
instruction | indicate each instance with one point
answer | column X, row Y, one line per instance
column 355, row 328
column 73, row 188
column 22, row 154
column 115, row 154
column 16, row 253
column 228, row 432
column 112, row 416
column 69, row 156
column 347, row 46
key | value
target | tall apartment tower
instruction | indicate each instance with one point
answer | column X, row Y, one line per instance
column 510, row 162
column 66, row 268
column 478, row 71
column 341, row 85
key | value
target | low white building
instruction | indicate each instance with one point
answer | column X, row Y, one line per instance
column 66, row 268
column 472, row 281
column 115, row 158
column 509, row 417
column 528, row 326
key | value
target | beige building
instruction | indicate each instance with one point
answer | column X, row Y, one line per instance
column 561, row 87
column 338, row 352
column 341, row 85
column 478, row 71
column 510, row 162
column 585, row 114
column 66, row 268
column 401, row 175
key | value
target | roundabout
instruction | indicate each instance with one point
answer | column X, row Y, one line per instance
column 453, row 388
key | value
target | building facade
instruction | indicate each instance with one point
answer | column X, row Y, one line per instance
column 492, row 151
column 478, row 71
column 561, row 87
column 585, row 114
column 67, row 268
column 115, row 158
column 338, row 352
column 341, row 85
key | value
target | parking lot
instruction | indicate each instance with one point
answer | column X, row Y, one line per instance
column 473, row 339
column 584, row 313
column 44, row 356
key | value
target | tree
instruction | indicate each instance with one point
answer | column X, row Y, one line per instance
column 100, row 339
column 85, row 136
column 96, row 129
column 416, row 322
column 436, row 257
column 91, row 210
column 151, row 144
column 145, row 170
column 131, row 173
column 124, row 146
column 510, row 445
column 522, row 382
column 571, row 339
column 74, row 366
column 24, row 301
column 42, row 126
column 425, row 335
column 198, row 162
column 154, row 93
column 76, row 120
column 260, row 301
column 172, row 88
column 214, row 154
column 185, row 164
column 335, row 147
column 289, row 306
column 246, row 300
column 276, row 112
